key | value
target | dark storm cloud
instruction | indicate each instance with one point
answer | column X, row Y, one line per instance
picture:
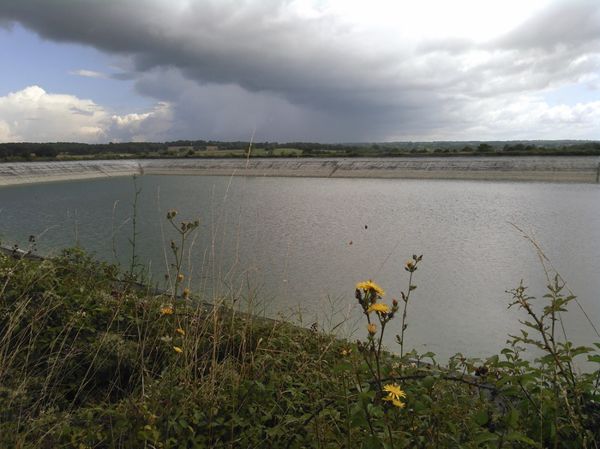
column 225, row 63
column 217, row 110
column 220, row 42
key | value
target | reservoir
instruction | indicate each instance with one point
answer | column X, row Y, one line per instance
column 294, row 247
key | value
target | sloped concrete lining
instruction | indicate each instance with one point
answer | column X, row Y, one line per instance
column 547, row 169
column 33, row 172
column 321, row 168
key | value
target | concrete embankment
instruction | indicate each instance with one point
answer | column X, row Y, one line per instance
column 34, row 172
column 547, row 169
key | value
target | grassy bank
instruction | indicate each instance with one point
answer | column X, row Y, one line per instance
column 89, row 359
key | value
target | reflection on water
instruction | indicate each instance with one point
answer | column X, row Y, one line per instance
column 302, row 243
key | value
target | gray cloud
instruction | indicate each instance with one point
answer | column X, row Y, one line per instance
column 6, row 24
column 568, row 24
column 218, row 110
column 226, row 67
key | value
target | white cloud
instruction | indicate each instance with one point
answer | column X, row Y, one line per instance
column 32, row 114
column 5, row 133
column 514, row 117
column 148, row 126
column 88, row 73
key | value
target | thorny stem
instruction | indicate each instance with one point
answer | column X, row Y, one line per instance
column 549, row 346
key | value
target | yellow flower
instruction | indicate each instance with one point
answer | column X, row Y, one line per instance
column 371, row 328
column 394, row 390
column 395, row 402
column 177, row 349
column 166, row 310
column 370, row 286
column 180, row 331
column 394, row 394
column 378, row 307
column 186, row 292
column 180, row 277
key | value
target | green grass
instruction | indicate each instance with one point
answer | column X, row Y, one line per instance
column 88, row 359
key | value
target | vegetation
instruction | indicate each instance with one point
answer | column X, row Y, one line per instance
column 92, row 359
column 202, row 148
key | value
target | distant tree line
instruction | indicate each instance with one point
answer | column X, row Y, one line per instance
column 52, row 150
column 209, row 148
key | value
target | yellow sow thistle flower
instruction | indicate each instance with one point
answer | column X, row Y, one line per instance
column 345, row 352
column 180, row 331
column 370, row 286
column 394, row 394
column 177, row 349
column 379, row 308
column 372, row 329
column 167, row 310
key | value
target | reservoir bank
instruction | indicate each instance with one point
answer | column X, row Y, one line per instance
column 541, row 169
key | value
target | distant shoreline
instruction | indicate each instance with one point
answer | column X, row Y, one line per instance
column 576, row 169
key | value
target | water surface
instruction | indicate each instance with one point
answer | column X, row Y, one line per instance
column 300, row 244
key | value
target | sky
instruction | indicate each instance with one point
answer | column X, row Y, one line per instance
column 299, row 70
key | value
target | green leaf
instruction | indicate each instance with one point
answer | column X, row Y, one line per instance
column 372, row 442
column 375, row 410
column 481, row 417
column 516, row 436
column 594, row 358
column 580, row 350
column 418, row 406
column 342, row 367
column 358, row 417
column 428, row 381
column 493, row 360
column 512, row 419
column 485, row 437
